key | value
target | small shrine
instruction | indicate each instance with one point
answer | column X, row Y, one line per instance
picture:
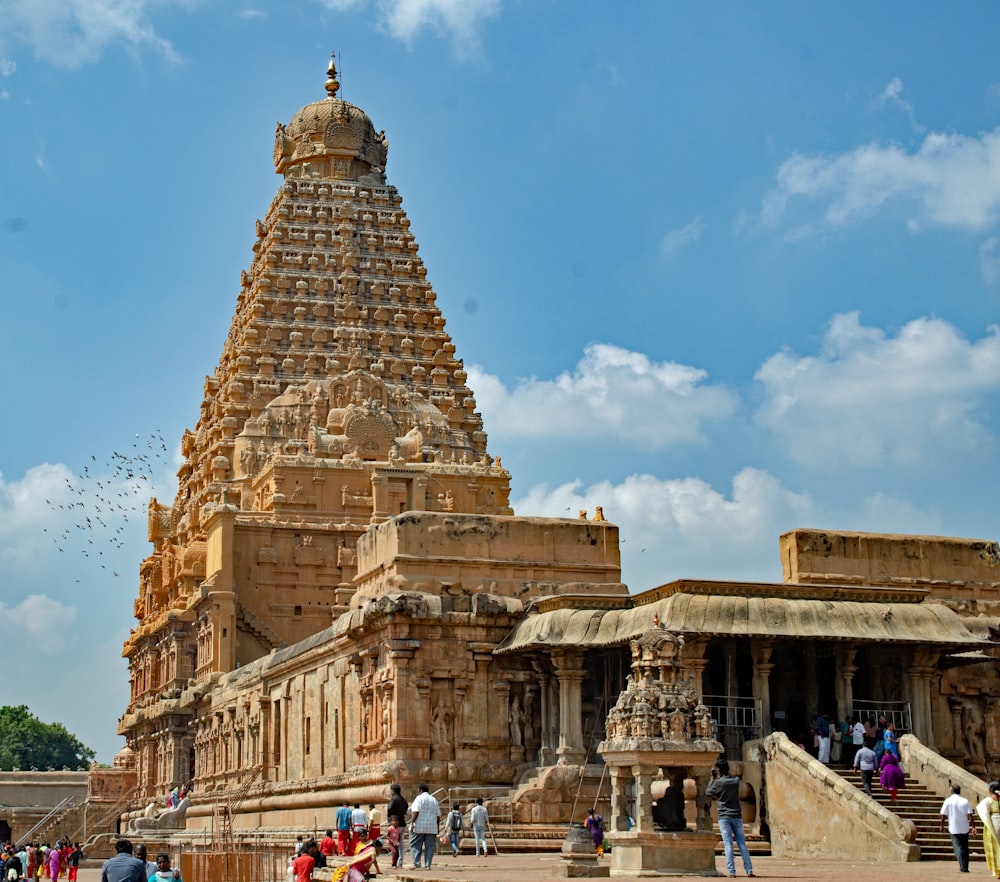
column 658, row 735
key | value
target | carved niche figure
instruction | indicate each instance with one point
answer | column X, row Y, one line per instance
column 516, row 722
column 677, row 726
column 441, row 722
column 386, row 716
column 972, row 727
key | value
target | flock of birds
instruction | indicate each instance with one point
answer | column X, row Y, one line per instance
column 102, row 498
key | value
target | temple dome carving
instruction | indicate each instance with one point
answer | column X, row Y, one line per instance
column 333, row 137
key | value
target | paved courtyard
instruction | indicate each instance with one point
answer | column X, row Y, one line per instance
column 530, row 867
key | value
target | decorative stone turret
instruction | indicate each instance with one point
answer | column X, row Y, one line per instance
column 658, row 732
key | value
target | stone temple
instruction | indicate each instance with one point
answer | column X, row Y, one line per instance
column 340, row 596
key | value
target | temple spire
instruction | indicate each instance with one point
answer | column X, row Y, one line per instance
column 332, row 84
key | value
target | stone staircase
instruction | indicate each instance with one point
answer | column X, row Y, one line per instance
column 922, row 806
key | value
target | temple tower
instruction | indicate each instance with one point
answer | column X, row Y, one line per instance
column 338, row 402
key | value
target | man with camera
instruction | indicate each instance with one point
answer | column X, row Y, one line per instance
column 725, row 789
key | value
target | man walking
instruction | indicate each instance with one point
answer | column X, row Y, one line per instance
column 424, row 831
column 725, row 788
column 961, row 822
column 864, row 762
column 343, row 820
column 479, row 819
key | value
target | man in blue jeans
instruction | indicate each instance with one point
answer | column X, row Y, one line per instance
column 725, row 788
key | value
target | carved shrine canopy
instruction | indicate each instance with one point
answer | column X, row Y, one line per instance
column 766, row 611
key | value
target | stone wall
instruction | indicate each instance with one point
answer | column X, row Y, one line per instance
column 937, row 773
column 27, row 797
column 941, row 563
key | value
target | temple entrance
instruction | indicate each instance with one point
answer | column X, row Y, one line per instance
column 728, row 693
column 5, row 831
column 807, row 689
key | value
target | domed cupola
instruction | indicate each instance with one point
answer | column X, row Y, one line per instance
column 330, row 139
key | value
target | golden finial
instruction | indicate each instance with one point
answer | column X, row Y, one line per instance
column 331, row 78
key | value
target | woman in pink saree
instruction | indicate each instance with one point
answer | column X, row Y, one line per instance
column 55, row 863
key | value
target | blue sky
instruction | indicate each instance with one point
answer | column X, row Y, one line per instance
column 725, row 269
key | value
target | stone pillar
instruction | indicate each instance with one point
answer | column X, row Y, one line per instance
column 380, row 498
column 919, row 674
column 762, row 668
column 703, row 804
column 643, row 776
column 955, row 703
column 546, row 751
column 846, row 669
column 569, row 670
column 695, row 663
column 729, row 655
column 620, row 781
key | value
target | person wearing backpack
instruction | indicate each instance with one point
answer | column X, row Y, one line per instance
column 455, row 828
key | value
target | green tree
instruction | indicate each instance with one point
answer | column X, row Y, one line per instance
column 26, row 742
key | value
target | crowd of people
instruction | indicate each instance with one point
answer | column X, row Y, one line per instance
column 869, row 746
column 132, row 864
column 359, row 836
column 35, row 861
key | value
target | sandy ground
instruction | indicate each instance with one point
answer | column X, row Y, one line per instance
column 530, row 867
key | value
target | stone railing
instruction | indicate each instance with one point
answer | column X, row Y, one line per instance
column 937, row 773
column 813, row 812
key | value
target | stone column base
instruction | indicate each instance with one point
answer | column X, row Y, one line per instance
column 663, row 854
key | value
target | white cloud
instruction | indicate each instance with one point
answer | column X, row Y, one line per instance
column 680, row 528
column 950, row 181
column 46, row 620
column 891, row 95
column 677, row 239
column 69, row 33
column 7, row 67
column 612, row 392
column 404, row 19
column 989, row 260
column 869, row 399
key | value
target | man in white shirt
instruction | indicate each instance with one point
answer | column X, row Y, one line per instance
column 857, row 737
column 961, row 822
column 479, row 819
column 424, row 829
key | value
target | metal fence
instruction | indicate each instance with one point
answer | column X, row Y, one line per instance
column 895, row 712
column 735, row 719
column 256, row 863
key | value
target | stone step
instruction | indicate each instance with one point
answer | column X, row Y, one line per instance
column 921, row 805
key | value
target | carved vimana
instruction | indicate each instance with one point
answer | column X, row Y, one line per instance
column 338, row 402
